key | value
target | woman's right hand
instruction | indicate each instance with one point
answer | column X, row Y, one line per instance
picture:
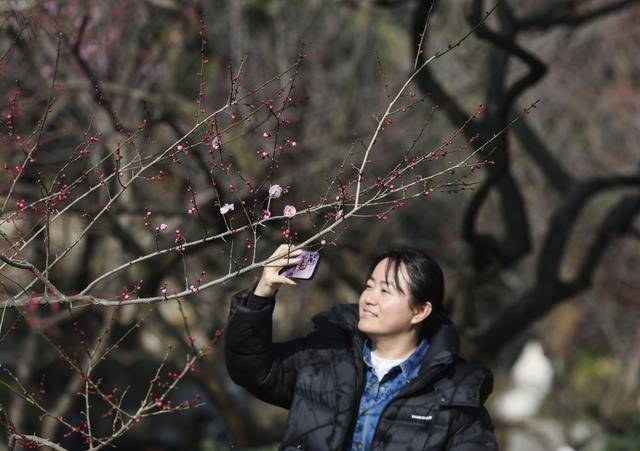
column 271, row 280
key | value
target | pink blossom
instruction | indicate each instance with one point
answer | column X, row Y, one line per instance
column 163, row 226
column 215, row 143
column 193, row 288
column 266, row 214
column 50, row 6
column 339, row 214
column 275, row 191
column 226, row 208
column 266, row 134
column 323, row 242
column 46, row 71
column 289, row 211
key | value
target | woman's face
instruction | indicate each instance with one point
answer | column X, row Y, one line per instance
column 384, row 309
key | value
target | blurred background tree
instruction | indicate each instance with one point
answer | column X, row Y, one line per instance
column 543, row 245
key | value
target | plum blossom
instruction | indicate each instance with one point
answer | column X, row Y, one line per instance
column 226, row 208
column 275, row 191
column 266, row 214
column 46, row 71
column 163, row 226
column 289, row 211
column 215, row 143
column 339, row 214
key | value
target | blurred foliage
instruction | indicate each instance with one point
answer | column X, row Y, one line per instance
column 591, row 371
column 626, row 440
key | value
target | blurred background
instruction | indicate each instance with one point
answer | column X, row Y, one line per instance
column 541, row 248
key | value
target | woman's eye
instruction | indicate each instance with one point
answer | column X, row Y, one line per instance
column 384, row 290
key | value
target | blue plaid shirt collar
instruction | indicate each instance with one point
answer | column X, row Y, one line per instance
column 410, row 367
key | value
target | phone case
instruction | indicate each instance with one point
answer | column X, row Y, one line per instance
column 305, row 269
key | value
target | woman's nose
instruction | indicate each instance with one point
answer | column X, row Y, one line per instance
column 369, row 298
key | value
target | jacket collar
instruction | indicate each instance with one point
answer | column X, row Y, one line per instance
column 410, row 367
column 443, row 344
column 472, row 384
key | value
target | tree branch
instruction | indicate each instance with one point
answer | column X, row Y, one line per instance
column 425, row 80
column 562, row 13
column 35, row 439
column 548, row 290
column 551, row 168
column 507, row 43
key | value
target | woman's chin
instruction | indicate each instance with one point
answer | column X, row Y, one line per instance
column 365, row 327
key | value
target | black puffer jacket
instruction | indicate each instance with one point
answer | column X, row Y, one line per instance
column 319, row 379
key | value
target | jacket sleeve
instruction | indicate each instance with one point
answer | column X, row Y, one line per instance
column 471, row 430
column 267, row 370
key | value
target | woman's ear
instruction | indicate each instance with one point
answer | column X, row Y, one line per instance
column 421, row 312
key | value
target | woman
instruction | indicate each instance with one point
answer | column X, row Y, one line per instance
column 383, row 374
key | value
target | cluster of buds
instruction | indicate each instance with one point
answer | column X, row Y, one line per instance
column 180, row 241
column 159, row 176
column 147, row 214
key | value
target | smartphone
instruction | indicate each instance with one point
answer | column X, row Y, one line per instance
column 306, row 267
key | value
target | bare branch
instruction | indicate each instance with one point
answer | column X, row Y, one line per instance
column 555, row 13
column 548, row 290
column 35, row 439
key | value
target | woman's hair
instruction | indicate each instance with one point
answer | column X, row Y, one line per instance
column 426, row 283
